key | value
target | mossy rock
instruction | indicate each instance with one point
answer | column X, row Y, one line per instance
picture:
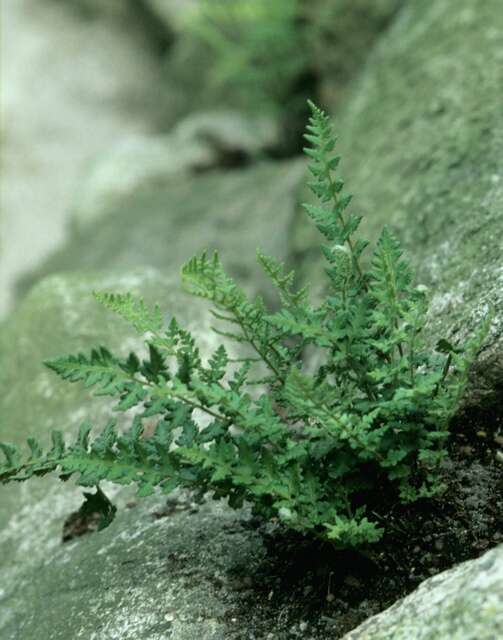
column 421, row 139
column 341, row 37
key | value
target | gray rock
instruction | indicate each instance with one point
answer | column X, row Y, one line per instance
column 465, row 603
column 232, row 211
column 133, row 165
column 197, row 143
column 72, row 86
column 144, row 577
column 229, row 131
column 342, row 35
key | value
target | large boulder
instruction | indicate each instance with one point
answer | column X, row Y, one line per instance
column 162, row 227
column 73, row 84
column 421, row 140
column 465, row 603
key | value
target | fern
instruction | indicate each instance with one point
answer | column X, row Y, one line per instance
column 305, row 440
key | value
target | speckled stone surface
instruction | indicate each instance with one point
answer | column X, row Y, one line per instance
column 465, row 603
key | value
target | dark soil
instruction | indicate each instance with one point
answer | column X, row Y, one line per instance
column 313, row 591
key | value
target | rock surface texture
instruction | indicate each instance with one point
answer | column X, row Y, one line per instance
column 465, row 603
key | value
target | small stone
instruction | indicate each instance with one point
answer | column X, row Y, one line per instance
column 352, row 581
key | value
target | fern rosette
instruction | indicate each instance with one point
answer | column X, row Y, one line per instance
column 328, row 405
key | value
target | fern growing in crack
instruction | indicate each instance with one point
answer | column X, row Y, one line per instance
column 308, row 441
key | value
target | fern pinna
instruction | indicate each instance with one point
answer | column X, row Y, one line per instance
column 327, row 403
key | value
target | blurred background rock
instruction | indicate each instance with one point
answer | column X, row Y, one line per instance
column 102, row 99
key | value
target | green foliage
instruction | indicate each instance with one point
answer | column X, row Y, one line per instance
column 329, row 406
column 257, row 46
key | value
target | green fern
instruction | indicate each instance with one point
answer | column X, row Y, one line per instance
column 306, row 440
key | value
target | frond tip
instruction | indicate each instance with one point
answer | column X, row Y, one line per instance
column 144, row 319
column 121, row 458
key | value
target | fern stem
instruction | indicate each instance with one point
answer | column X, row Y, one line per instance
column 343, row 222
column 263, row 356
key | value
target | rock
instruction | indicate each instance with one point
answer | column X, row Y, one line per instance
column 73, row 85
column 463, row 603
column 232, row 211
column 200, row 141
column 342, row 34
column 421, row 140
column 142, row 578
column 133, row 165
column 230, row 132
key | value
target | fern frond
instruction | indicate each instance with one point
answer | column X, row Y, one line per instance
column 123, row 459
column 390, row 274
column 282, row 281
column 111, row 376
column 217, row 365
column 329, row 215
column 205, row 277
column 135, row 311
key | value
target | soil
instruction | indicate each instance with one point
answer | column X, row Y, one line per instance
column 312, row 591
